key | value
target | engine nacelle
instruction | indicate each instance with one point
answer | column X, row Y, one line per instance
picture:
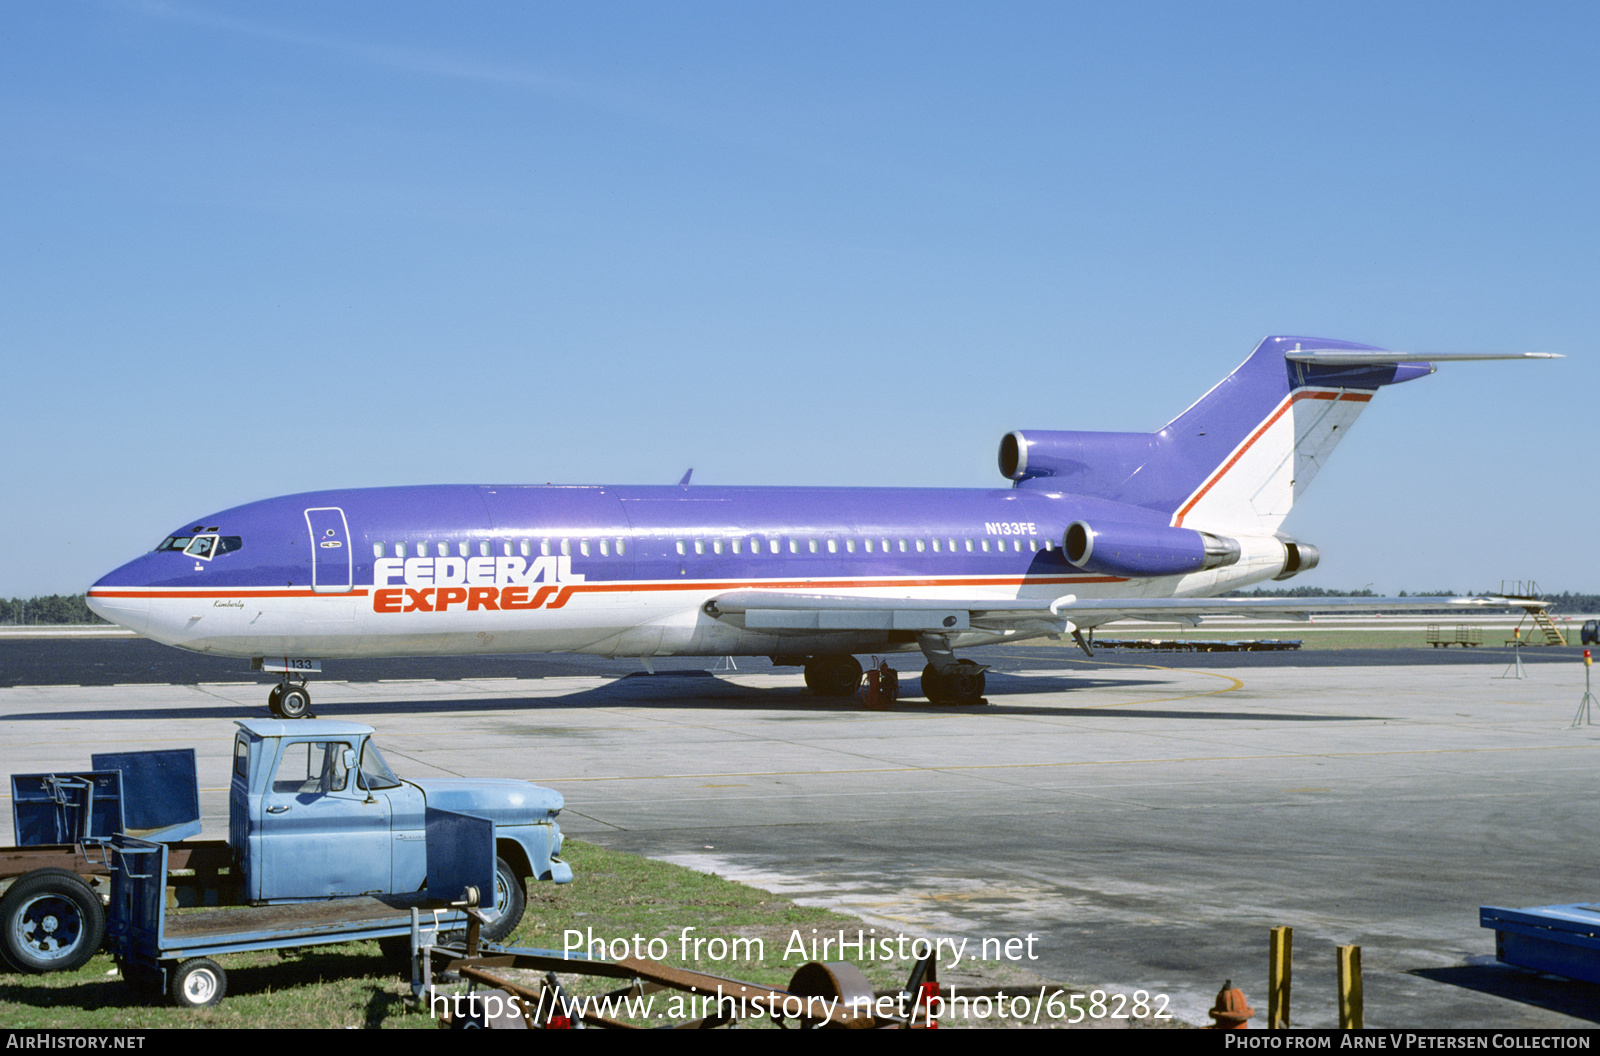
column 1298, row 557
column 1089, row 463
column 1138, row 550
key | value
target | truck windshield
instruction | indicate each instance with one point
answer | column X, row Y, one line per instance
column 375, row 773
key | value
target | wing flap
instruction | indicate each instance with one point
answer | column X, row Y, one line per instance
column 943, row 620
column 804, row 612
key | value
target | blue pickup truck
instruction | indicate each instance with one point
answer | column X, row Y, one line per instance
column 315, row 813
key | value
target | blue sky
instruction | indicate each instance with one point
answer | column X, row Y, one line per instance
column 254, row 249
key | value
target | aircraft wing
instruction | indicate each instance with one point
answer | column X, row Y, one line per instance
column 801, row 612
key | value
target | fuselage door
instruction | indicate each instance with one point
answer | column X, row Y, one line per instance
column 332, row 558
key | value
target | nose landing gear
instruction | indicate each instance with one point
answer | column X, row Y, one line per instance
column 289, row 701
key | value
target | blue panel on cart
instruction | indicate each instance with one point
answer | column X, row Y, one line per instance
column 1562, row 940
column 460, row 854
column 160, row 791
column 66, row 808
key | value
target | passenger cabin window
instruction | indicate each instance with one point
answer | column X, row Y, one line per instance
column 377, row 549
column 399, row 549
column 566, row 548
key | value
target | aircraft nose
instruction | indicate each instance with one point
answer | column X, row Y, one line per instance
column 116, row 597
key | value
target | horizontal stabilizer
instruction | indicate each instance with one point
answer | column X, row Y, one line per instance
column 1338, row 357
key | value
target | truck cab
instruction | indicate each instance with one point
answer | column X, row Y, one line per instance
column 315, row 812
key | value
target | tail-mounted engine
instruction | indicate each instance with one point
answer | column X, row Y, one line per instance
column 1298, row 557
column 1145, row 550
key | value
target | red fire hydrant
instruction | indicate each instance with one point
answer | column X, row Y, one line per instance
column 1230, row 1012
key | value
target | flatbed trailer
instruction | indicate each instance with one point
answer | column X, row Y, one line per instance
column 173, row 952
column 314, row 813
column 57, row 879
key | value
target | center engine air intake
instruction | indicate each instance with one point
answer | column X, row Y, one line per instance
column 1145, row 550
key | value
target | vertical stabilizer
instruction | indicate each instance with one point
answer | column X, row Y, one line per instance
column 1258, row 438
column 1235, row 460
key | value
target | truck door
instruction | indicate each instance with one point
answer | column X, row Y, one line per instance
column 321, row 835
column 332, row 556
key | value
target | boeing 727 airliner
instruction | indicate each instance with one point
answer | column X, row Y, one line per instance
column 1094, row 527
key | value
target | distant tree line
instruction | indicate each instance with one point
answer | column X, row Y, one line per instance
column 1566, row 603
column 49, row 609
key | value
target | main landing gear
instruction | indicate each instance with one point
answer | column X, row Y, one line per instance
column 947, row 680
column 833, row 676
column 290, row 701
column 961, row 684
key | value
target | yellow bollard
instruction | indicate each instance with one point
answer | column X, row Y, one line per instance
column 1350, row 1010
column 1280, row 957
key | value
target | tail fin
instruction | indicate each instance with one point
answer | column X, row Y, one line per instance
column 1236, row 460
column 1262, row 433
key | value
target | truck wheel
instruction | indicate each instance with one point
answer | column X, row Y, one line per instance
column 198, row 983
column 51, row 922
column 510, row 900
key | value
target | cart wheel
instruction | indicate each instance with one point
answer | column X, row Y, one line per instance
column 198, row 983
column 50, row 921
column 510, row 900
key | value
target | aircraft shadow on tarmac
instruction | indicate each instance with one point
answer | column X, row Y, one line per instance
column 702, row 690
column 1569, row 997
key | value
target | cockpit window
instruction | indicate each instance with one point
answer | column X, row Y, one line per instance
column 203, row 546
